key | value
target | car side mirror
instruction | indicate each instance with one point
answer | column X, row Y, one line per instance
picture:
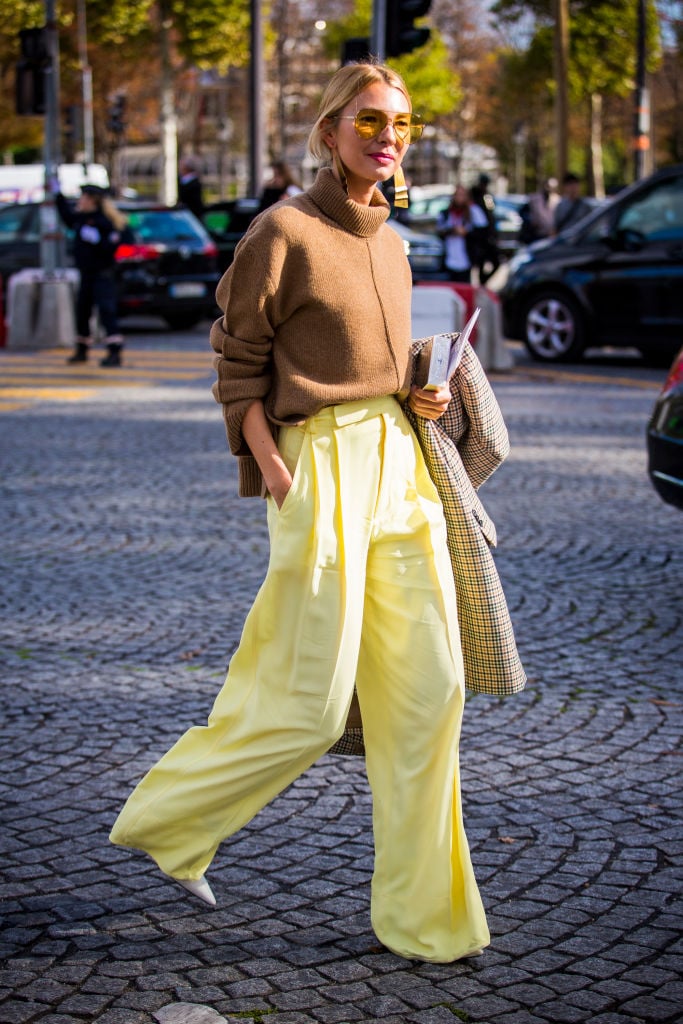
column 626, row 240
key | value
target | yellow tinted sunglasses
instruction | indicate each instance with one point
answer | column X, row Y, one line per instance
column 369, row 123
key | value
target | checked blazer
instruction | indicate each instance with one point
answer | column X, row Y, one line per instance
column 461, row 449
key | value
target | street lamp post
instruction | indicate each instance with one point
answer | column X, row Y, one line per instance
column 50, row 234
column 641, row 128
column 86, row 76
column 256, row 101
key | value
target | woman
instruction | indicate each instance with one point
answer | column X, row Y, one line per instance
column 99, row 228
column 282, row 185
column 462, row 226
column 313, row 354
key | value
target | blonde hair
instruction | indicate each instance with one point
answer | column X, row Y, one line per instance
column 118, row 219
column 346, row 83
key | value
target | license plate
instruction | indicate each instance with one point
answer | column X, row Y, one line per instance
column 188, row 290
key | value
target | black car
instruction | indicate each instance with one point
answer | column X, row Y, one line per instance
column 169, row 270
column 226, row 221
column 423, row 213
column 665, row 437
column 614, row 279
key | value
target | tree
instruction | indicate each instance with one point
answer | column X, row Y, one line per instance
column 602, row 54
column 133, row 45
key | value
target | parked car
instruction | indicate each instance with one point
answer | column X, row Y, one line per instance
column 615, row 279
column 227, row 221
column 170, row 269
column 426, row 205
column 665, row 437
column 425, row 252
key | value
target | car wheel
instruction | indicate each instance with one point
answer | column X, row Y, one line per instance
column 553, row 328
column 182, row 321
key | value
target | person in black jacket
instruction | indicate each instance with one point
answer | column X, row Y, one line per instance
column 190, row 192
column 486, row 256
column 99, row 228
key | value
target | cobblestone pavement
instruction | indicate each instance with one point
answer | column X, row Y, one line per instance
column 128, row 565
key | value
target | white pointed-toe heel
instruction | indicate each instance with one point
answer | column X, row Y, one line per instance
column 197, row 887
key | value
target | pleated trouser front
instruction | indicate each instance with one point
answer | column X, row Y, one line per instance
column 359, row 590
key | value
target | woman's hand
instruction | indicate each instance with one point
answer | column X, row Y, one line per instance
column 429, row 404
column 279, row 486
column 256, row 432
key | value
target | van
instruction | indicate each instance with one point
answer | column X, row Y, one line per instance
column 25, row 183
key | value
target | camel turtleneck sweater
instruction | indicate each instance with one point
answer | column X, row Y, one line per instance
column 317, row 313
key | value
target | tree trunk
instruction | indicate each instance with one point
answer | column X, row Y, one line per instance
column 168, row 184
column 596, row 146
column 561, row 61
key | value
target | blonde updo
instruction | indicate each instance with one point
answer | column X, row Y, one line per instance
column 344, row 85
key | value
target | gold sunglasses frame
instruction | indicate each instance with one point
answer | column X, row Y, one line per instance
column 415, row 126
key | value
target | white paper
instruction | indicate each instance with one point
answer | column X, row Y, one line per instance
column 459, row 344
column 447, row 353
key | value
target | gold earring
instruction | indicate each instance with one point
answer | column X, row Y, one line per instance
column 400, row 188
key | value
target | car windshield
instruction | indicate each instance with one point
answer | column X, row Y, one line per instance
column 164, row 226
column 656, row 215
column 19, row 223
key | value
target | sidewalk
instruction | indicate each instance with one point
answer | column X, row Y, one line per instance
column 128, row 566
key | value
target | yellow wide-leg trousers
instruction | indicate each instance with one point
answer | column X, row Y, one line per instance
column 359, row 591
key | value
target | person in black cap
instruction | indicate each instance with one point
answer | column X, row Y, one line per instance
column 99, row 228
column 190, row 192
column 485, row 242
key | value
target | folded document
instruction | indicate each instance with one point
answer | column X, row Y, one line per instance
column 446, row 354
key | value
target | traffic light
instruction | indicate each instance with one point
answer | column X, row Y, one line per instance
column 356, row 49
column 30, row 72
column 401, row 34
column 117, row 113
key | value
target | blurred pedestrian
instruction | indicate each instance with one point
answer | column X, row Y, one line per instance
column 463, row 226
column 538, row 214
column 313, row 366
column 99, row 228
column 571, row 207
column 190, row 188
column 281, row 185
column 486, row 257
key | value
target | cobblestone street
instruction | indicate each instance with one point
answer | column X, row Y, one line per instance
column 128, row 565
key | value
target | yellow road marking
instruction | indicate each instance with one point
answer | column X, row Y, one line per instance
column 61, row 394
column 34, row 376
column 584, row 378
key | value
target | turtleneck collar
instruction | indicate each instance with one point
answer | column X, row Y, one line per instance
column 329, row 196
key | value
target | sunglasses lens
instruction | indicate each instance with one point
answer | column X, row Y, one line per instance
column 415, row 128
column 402, row 126
column 369, row 123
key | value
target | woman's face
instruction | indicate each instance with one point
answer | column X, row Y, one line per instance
column 86, row 203
column 460, row 196
column 369, row 161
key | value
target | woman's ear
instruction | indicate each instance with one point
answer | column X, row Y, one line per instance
column 328, row 133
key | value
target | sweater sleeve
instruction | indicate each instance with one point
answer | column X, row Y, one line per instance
column 65, row 211
column 242, row 337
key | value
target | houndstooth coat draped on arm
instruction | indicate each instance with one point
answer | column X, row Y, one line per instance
column 461, row 449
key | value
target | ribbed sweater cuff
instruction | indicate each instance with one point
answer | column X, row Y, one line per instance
column 250, row 479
